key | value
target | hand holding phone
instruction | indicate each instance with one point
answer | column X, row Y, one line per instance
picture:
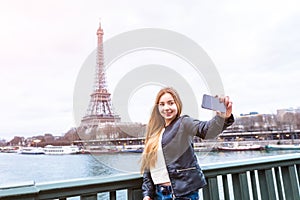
column 213, row 103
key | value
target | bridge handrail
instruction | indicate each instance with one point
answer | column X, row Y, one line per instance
column 273, row 177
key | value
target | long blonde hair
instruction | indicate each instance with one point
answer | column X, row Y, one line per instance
column 155, row 126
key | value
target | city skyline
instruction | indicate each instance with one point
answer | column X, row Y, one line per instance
column 252, row 44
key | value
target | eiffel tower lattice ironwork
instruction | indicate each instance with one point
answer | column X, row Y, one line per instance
column 100, row 106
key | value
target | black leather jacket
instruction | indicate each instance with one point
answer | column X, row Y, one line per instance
column 184, row 171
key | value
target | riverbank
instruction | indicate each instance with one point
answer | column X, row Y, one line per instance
column 205, row 146
column 209, row 145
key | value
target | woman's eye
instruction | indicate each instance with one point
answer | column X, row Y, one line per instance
column 171, row 103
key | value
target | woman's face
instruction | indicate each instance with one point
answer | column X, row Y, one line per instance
column 167, row 108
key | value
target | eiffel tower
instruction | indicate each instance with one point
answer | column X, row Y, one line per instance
column 100, row 107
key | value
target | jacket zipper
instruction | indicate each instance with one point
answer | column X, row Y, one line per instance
column 186, row 169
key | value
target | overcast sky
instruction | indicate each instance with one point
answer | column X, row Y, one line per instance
column 43, row 44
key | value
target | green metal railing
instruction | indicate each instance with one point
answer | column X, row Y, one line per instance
column 267, row 178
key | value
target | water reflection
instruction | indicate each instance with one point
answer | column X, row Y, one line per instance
column 120, row 162
column 94, row 167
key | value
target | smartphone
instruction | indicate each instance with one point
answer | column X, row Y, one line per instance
column 212, row 103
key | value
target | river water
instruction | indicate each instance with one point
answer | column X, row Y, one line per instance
column 17, row 168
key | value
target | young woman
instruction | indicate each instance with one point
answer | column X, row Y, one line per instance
column 169, row 166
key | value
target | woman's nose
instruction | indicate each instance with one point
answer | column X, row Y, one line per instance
column 166, row 107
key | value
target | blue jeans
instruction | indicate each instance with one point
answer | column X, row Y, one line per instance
column 165, row 193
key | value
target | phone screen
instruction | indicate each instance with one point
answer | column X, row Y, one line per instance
column 212, row 103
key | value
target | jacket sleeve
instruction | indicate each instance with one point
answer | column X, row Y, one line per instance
column 207, row 129
column 148, row 187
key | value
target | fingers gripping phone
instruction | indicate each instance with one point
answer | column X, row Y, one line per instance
column 213, row 103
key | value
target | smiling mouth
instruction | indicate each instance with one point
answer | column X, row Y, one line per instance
column 168, row 113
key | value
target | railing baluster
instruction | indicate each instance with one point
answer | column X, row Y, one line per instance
column 263, row 184
column 206, row 192
column 287, row 182
column 279, row 183
column 89, row 197
column 213, row 188
column 225, row 186
column 270, row 184
column 294, row 182
column 135, row 194
column 266, row 184
column 112, row 195
column 129, row 194
column 254, row 184
column 244, row 186
column 298, row 172
column 236, row 186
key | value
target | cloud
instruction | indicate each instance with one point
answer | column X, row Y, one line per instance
column 254, row 45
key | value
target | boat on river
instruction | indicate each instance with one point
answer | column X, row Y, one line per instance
column 237, row 147
column 9, row 149
column 282, row 147
column 133, row 150
column 100, row 150
column 61, row 150
column 32, row 150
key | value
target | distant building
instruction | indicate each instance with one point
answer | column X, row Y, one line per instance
column 254, row 122
column 289, row 118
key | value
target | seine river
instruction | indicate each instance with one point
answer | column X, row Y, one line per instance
column 18, row 168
